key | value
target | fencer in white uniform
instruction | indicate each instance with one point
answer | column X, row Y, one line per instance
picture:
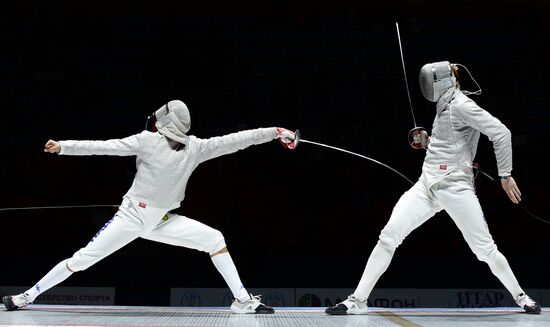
column 446, row 184
column 165, row 161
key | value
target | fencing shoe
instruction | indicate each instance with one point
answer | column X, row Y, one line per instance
column 14, row 302
column 252, row 305
column 351, row 306
column 530, row 306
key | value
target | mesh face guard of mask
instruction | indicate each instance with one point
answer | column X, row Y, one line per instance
column 435, row 78
column 174, row 121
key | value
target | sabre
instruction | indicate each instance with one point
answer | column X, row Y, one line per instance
column 405, row 73
column 418, row 136
column 298, row 139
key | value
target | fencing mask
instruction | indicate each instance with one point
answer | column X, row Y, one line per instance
column 174, row 121
column 435, row 78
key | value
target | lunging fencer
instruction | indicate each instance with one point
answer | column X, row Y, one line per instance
column 446, row 183
column 165, row 160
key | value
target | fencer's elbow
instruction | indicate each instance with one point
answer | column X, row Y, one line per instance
column 507, row 132
column 504, row 136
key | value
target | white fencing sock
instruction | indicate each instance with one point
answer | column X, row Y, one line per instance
column 227, row 269
column 500, row 268
column 55, row 276
column 379, row 261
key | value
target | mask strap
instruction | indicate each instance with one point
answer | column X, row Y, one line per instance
column 478, row 92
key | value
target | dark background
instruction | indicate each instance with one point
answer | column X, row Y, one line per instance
column 304, row 218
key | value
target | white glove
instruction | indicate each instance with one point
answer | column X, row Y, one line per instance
column 287, row 138
column 419, row 138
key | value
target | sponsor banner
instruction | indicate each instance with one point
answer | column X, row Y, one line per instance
column 465, row 298
column 384, row 297
column 380, row 297
column 70, row 295
column 222, row 297
column 394, row 298
column 471, row 298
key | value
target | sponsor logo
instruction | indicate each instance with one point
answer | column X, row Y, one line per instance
column 71, row 298
column 480, row 299
column 77, row 295
column 392, row 303
column 190, row 299
column 142, row 205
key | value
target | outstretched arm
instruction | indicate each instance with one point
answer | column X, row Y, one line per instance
column 118, row 147
column 230, row 143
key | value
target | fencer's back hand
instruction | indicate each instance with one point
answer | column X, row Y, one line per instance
column 287, row 138
column 52, row 147
column 511, row 188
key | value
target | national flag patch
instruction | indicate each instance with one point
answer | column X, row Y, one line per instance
column 142, row 205
column 442, row 167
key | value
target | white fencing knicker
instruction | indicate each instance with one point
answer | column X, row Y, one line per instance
column 132, row 221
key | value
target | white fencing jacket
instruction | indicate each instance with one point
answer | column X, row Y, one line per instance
column 455, row 136
column 162, row 172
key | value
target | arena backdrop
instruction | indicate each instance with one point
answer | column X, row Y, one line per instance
column 303, row 218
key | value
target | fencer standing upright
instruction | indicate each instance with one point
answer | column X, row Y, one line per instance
column 446, row 183
column 165, row 161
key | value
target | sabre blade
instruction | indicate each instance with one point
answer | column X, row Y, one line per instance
column 405, row 73
column 360, row 156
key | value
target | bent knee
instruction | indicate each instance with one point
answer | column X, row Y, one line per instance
column 390, row 238
column 215, row 236
column 69, row 268
column 82, row 260
column 486, row 252
column 77, row 264
column 215, row 241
